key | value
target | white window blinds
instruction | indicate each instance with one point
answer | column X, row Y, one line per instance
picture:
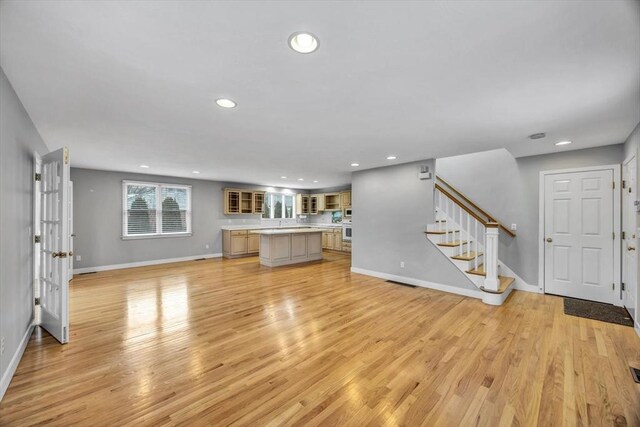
column 151, row 209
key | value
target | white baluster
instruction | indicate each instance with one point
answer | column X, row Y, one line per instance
column 446, row 224
column 468, row 231
column 491, row 281
column 476, row 242
column 460, row 228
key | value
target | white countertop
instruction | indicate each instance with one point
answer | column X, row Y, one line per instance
column 272, row 231
column 271, row 227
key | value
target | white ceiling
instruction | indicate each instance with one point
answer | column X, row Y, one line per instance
column 129, row 83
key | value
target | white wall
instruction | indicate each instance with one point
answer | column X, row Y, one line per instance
column 631, row 147
column 18, row 141
column 507, row 188
column 391, row 210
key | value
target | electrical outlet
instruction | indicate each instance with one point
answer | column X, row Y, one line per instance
column 401, row 264
column 514, row 227
column 206, row 246
column 2, row 345
column 78, row 257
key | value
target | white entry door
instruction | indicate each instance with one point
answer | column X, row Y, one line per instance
column 54, row 245
column 579, row 240
column 630, row 239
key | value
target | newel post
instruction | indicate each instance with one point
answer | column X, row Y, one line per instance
column 491, row 281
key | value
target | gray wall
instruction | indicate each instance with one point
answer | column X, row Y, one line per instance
column 97, row 204
column 391, row 210
column 507, row 188
column 18, row 141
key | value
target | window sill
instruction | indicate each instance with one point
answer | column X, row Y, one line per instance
column 156, row 236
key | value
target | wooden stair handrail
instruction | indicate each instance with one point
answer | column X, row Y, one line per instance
column 462, row 205
column 476, row 207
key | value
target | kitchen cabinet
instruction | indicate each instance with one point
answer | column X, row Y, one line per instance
column 243, row 201
column 345, row 199
column 332, row 240
column 332, row 202
column 239, row 243
column 302, row 204
column 314, row 206
column 253, row 243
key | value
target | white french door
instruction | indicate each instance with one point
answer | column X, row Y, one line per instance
column 578, row 234
column 630, row 238
column 54, row 249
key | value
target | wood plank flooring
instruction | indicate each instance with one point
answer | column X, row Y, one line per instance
column 227, row 342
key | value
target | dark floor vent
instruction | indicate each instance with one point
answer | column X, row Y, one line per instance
column 88, row 272
column 400, row 283
column 200, row 259
column 635, row 373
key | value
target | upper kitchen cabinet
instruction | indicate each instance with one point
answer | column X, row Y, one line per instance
column 303, row 204
column 345, row 199
column 313, row 204
column 332, row 202
column 243, row 201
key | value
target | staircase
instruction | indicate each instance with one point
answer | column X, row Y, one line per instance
column 468, row 237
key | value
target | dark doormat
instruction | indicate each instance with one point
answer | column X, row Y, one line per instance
column 597, row 311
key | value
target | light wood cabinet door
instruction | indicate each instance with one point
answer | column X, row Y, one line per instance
column 345, row 199
column 337, row 240
column 238, row 245
column 231, row 202
column 258, row 202
column 313, row 204
column 324, row 240
column 253, row 243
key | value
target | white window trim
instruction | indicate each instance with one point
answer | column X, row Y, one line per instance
column 157, row 234
column 270, row 194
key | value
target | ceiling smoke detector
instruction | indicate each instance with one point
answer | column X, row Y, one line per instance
column 538, row 135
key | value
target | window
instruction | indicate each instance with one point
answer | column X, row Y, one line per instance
column 279, row 206
column 152, row 210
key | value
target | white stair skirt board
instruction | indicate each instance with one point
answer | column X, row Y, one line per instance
column 143, row 263
column 422, row 283
column 15, row 360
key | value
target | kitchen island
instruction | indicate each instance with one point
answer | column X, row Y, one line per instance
column 289, row 246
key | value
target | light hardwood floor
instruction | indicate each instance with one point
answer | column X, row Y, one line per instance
column 229, row 342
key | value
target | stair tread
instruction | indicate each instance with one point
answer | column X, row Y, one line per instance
column 505, row 282
column 442, row 232
column 478, row 271
column 467, row 256
column 453, row 244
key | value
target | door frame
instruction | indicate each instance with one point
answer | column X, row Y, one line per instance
column 37, row 168
column 634, row 154
column 617, row 224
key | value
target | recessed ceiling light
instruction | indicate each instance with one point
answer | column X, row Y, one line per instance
column 196, row 171
column 300, row 179
column 315, row 182
column 144, row 166
column 391, row 157
column 564, row 142
column 538, row 135
column 225, row 103
column 283, row 177
column 355, row 164
column 303, row 42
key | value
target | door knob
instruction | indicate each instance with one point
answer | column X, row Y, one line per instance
column 549, row 240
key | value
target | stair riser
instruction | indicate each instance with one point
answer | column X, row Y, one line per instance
column 452, row 251
column 467, row 265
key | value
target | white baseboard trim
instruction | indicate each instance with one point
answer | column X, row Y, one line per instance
column 422, row 283
column 143, row 263
column 15, row 360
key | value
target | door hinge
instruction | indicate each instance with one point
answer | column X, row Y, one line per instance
column 37, row 301
column 614, row 185
column 613, row 286
column 37, row 239
column 624, row 184
column 623, row 235
column 622, row 286
column 37, row 177
column 614, row 235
